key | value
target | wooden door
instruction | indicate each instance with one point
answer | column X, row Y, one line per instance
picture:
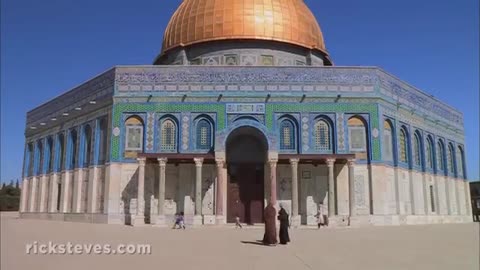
column 245, row 193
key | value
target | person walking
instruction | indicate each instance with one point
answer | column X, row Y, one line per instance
column 284, row 225
column 270, row 236
column 320, row 216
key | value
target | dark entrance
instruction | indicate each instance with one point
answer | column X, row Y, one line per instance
column 246, row 154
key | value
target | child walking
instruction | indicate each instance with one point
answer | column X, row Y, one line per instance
column 179, row 221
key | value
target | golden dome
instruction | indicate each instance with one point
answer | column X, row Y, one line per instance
column 288, row 21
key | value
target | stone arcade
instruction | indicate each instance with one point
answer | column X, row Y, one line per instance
column 243, row 106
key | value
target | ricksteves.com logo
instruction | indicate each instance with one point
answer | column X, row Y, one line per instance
column 69, row 248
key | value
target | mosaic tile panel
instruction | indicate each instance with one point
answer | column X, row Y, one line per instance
column 340, row 132
column 185, row 131
column 150, row 131
column 329, row 107
column 118, row 109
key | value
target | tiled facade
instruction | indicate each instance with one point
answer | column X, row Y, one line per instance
column 227, row 96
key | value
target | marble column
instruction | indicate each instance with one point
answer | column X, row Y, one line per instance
column 413, row 209
column 296, row 218
column 43, row 193
column 425, row 194
column 457, row 197
column 33, row 194
column 138, row 219
column 24, row 196
column 447, row 192
column 162, row 165
column 468, row 199
column 219, row 207
column 93, row 189
column 351, row 187
column 77, row 191
column 197, row 219
column 331, row 187
column 53, row 193
column 65, row 196
column 273, row 180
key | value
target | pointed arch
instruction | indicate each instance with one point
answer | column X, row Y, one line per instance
column 430, row 155
column 357, row 136
column 288, row 130
column 388, row 143
column 460, row 162
column 168, row 135
column 30, row 159
column 440, row 156
column 51, row 155
column 73, row 149
column 102, row 143
column 40, row 157
column 61, row 152
column 204, row 133
column 403, row 145
column 134, row 130
column 451, row 159
column 323, row 135
column 417, row 149
column 87, row 146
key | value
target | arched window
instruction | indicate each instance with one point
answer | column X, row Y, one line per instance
column 451, row 158
column 30, row 159
column 357, row 136
column 102, row 143
column 430, row 156
column 133, row 136
column 387, row 141
column 287, row 135
column 73, row 149
column 87, row 144
column 403, row 146
column 61, row 152
column 204, row 135
column 168, row 136
column 417, row 155
column 440, row 156
column 39, row 168
column 50, row 155
column 322, row 136
column 460, row 157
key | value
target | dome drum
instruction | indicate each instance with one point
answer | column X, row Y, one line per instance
column 243, row 53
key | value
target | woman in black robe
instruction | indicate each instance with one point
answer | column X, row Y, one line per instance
column 270, row 236
column 284, row 224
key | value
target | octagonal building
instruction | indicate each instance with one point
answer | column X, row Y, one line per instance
column 243, row 106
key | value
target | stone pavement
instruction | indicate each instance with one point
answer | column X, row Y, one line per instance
column 438, row 247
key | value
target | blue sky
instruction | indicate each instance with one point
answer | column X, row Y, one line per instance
column 50, row 46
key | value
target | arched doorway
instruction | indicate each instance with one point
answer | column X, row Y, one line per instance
column 246, row 150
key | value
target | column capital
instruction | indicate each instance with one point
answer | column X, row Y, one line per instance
column 198, row 162
column 330, row 162
column 142, row 161
column 294, row 161
column 162, row 161
column 273, row 161
column 351, row 162
column 220, row 161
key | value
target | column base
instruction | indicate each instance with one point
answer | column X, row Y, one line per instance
column 296, row 221
column 197, row 220
column 220, row 220
column 159, row 221
column 209, row 220
column 138, row 220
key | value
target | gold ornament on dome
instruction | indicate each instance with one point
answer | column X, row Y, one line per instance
column 288, row 21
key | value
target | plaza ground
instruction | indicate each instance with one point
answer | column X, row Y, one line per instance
column 450, row 246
